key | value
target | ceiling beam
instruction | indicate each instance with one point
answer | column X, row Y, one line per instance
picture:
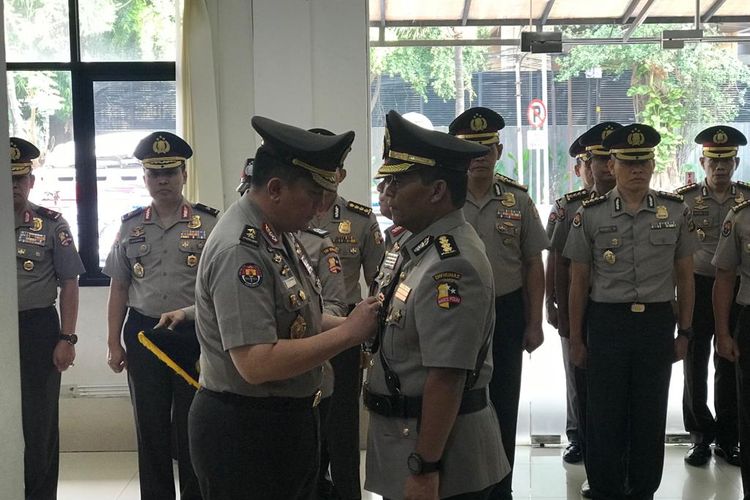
column 511, row 42
column 712, row 10
column 629, row 11
column 401, row 23
column 465, row 15
column 642, row 15
column 545, row 15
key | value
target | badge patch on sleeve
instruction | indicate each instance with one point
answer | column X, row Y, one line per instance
column 726, row 230
column 447, row 295
column 334, row 264
column 65, row 238
column 577, row 220
column 250, row 275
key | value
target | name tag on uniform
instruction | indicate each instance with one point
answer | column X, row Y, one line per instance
column 669, row 224
column 32, row 238
column 290, row 282
column 193, row 234
column 607, row 229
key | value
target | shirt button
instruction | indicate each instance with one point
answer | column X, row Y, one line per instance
column 164, row 274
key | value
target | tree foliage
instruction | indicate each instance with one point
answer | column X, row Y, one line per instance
column 425, row 67
column 675, row 91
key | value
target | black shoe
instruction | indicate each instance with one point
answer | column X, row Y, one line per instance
column 699, row 454
column 586, row 490
column 572, row 454
column 730, row 454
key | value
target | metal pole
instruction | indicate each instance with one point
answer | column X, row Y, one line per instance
column 519, row 132
column 545, row 128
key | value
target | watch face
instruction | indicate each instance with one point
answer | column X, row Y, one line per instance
column 70, row 339
column 414, row 462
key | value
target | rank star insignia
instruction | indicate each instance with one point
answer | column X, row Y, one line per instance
column 195, row 222
column 36, row 224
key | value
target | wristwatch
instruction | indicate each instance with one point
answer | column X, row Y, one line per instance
column 418, row 466
column 686, row 332
column 71, row 339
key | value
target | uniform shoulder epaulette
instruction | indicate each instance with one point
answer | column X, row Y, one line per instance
column 48, row 214
column 206, row 209
column 743, row 184
column 132, row 214
column 577, row 195
column 670, row 196
column 446, row 246
column 249, row 236
column 359, row 209
column 511, row 182
column 594, row 201
column 686, row 188
column 317, row 231
column 742, row 205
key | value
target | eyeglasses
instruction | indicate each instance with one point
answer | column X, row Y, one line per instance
column 396, row 181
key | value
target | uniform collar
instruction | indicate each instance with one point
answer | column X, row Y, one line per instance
column 26, row 216
column 417, row 244
column 149, row 216
column 254, row 218
column 617, row 205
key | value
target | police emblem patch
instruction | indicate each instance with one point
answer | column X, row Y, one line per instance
column 447, row 295
column 65, row 238
column 577, row 220
column 334, row 265
column 726, row 229
column 250, row 275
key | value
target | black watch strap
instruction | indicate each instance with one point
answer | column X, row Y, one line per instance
column 71, row 339
column 418, row 466
column 686, row 332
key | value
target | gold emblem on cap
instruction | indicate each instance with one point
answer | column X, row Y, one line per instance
column 509, row 200
column 701, row 234
column 161, row 146
column 609, row 257
column 608, row 130
column 661, row 212
column 28, row 265
column 478, row 123
column 138, row 270
column 192, row 260
column 720, row 137
column 15, row 153
column 345, row 226
column 195, row 222
column 636, row 138
column 298, row 328
column 36, row 224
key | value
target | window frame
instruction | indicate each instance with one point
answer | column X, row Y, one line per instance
column 83, row 75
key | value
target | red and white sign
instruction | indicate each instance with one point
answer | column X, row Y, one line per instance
column 536, row 113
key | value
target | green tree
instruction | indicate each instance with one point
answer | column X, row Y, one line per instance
column 447, row 70
column 674, row 91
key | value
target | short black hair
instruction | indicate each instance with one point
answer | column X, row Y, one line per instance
column 456, row 180
column 267, row 166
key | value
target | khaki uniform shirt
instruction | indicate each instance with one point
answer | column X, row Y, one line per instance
column 445, row 284
column 45, row 256
column 355, row 232
column 708, row 215
column 563, row 211
column 508, row 223
column 254, row 286
column 733, row 250
column 632, row 255
column 159, row 261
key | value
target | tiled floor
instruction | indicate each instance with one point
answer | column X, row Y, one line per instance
column 539, row 474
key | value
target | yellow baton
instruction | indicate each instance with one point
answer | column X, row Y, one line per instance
column 166, row 359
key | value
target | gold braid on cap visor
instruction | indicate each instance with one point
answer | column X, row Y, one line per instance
column 720, row 151
column 412, row 158
column 20, row 168
column 597, row 149
column 484, row 138
column 633, row 153
column 327, row 177
column 165, row 162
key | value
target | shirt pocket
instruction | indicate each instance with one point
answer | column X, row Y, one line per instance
column 663, row 237
column 395, row 342
column 29, row 257
column 192, row 246
column 138, row 250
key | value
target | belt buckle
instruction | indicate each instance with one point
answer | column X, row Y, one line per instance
column 637, row 308
column 317, row 397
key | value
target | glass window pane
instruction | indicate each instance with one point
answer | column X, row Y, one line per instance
column 128, row 30
column 40, row 110
column 124, row 113
column 36, row 31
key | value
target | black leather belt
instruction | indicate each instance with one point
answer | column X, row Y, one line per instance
column 411, row 406
column 273, row 403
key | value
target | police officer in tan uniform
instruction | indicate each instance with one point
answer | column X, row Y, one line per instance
column 733, row 257
column 152, row 266
column 263, row 334
column 507, row 221
column 46, row 258
column 632, row 246
column 356, row 234
column 710, row 202
column 433, row 432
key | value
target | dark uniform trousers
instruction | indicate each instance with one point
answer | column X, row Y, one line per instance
column 742, row 336
column 161, row 399
column 340, row 425
column 582, row 392
column 272, row 442
column 505, row 386
column 474, row 495
column 629, row 363
column 39, row 332
column 695, row 413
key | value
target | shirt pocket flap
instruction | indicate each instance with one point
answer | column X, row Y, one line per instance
column 192, row 246
column 29, row 252
column 137, row 250
column 663, row 236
